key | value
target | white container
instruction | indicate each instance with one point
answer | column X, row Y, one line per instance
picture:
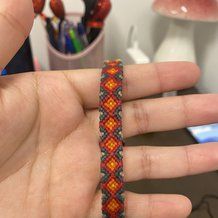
column 90, row 57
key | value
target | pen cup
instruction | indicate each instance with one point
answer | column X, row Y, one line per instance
column 90, row 57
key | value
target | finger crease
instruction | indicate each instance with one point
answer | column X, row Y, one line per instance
column 185, row 113
column 38, row 117
column 188, row 161
column 141, row 117
column 74, row 88
column 126, row 85
column 146, row 162
column 14, row 23
column 159, row 81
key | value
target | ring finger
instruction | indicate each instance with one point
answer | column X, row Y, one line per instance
column 146, row 162
column 164, row 114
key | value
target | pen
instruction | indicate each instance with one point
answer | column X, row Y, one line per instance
column 38, row 6
column 101, row 11
column 69, row 45
column 61, row 37
column 82, row 33
column 51, row 33
column 77, row 44
column 96, row 21
column 89, row 5
column 57, row 8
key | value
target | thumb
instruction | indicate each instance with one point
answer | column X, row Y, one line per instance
column 16, row 19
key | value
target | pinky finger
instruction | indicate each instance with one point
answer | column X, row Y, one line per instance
column 149, row 206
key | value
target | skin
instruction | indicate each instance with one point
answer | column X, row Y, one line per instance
column 49, row 153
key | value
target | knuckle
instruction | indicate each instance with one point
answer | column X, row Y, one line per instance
column 188, row 160
column 141, row 117
column 126, row 85
column 186, row 120
column 146, row 162
column 159, row 78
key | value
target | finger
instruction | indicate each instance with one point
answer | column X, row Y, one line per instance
column 16, row 19
column 150, row 206
column 157, row 206
column 163, row 114
column 166, row 114
column 139, row 80
column 169, row 162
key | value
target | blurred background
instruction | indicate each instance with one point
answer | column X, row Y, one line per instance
column 151, row 30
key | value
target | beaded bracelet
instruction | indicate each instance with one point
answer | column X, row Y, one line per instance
column 111, row 140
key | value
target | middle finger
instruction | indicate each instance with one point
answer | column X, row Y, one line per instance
column 164, row 114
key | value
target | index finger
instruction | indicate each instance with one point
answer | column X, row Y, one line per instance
column 139, row 81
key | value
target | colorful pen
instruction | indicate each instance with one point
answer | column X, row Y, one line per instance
column 70, row 49
column 96, row 21
column 57, row 8
column 38, row 6
column 77, row 44
column 82, row 33
column 61, row 37
column 51, row 33
column 89, row 5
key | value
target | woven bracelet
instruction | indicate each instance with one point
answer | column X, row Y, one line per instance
column 111, row 140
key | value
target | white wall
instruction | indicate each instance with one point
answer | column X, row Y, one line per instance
column 151, row 28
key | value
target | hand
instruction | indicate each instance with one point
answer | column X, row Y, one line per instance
column 49, row 153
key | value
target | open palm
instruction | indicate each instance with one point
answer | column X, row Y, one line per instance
column 49, row 152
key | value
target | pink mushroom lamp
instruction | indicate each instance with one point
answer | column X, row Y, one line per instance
column 178, row 44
